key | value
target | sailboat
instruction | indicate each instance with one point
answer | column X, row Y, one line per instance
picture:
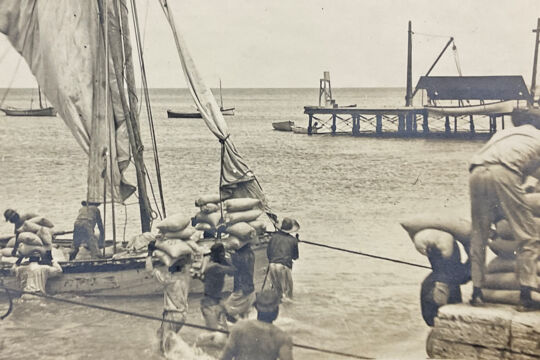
column 42, row 111
column 91, row 83
column 197, row 115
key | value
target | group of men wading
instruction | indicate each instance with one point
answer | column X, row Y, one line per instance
column 248, row 339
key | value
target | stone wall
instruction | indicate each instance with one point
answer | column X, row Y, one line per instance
column 488, row 332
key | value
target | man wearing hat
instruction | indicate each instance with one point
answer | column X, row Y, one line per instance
column 32, row 278
column 17, row 219
column 83, row 230
column 281, row 251
column 259, row 339
column 497, row 172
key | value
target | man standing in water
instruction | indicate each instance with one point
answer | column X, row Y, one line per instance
column 281, row 251
column 496, row 174
column 175, row 280
column 83, row 230
column 211, row 308
column 239, row 303
column 32, row 278
column 259, row 339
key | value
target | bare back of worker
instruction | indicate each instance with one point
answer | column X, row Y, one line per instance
column 254, row 339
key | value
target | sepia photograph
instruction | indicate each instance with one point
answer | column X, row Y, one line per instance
column 263, row 180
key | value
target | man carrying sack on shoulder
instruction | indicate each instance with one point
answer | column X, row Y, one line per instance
column 281, row 251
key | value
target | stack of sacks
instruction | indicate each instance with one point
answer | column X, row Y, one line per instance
column 242, row 210
column 34, row 234
column 170, row 251
column 241, row 221
column 501, row 283
column 209, row 215
column 178, row 227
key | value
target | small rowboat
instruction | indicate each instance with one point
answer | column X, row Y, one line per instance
column 283, row 125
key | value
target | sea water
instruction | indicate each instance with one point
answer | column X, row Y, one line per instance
column 344, row 191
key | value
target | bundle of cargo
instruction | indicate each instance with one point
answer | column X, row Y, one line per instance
column 170, row 251
column 501, row 284
column 34, row 235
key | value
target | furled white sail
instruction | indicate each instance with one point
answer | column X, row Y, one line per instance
column 236, row 175
column 62, row 42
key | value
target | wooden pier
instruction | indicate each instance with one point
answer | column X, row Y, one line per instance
column 412, row 122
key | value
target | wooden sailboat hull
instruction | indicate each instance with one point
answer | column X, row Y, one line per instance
column 196, row 115
column 50, row 111
column 283, row 125
column 500, row 107
column 123, row 277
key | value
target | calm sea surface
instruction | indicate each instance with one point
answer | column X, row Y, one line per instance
column 346, row 192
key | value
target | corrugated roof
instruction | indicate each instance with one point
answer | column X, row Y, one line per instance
column 474, row 87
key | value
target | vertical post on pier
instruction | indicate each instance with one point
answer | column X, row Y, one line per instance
column 355, row 124
column 495, row 123
column 425, row 123
column 310, row 124
column 401, row 123
column 455, row 124
column 334, row 124
column 378, row 127
column 414, row 124
column 408, row 95
column 471, row 124
column 535, row 61
column 447, row 124
column 502, row 122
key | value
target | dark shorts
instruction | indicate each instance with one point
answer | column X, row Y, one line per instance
column 82, row 233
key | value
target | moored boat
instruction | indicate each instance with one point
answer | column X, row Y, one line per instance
column 195, row 114
column 283, row 125
column 123, row 276
column 299, row 130
column 499, row 107
column 49, row 111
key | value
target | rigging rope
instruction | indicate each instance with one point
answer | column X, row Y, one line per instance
column 147, row 100
column 10, row 308
column 456, row 58
column 11, row 81
column 365, row 254
column 155, row 318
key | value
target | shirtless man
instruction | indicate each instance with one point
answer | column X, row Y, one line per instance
column 259, row 339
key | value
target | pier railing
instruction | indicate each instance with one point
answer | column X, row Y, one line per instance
column 400, row 122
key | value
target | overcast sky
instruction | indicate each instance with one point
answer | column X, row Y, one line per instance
column 363, row 43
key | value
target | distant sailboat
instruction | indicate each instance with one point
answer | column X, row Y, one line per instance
column 42, row 111
column 197, row 115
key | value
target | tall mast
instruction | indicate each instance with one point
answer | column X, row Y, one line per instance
column 220, row 95
column 535, row 61
column 119, row 60
column 144, row 203
column 408, row 95
column 39, row 94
